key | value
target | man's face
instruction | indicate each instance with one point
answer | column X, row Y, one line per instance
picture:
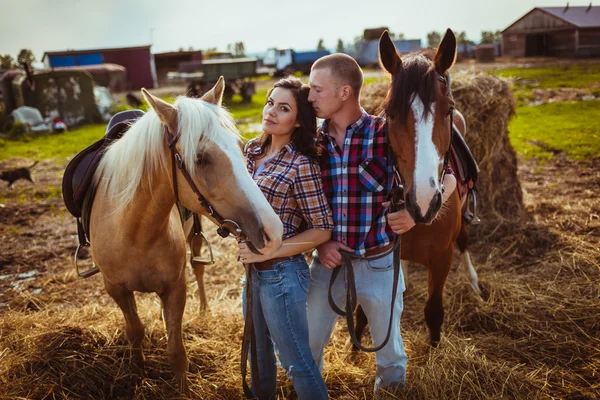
column 324, row 93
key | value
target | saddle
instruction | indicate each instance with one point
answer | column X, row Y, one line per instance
column 77, row 188
column 80, row 171
column 466, row 172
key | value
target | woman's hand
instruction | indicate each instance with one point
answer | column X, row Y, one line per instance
column 248, row 257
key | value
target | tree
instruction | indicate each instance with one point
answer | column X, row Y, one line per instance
column 239, row 49
column 340, row 46
column 433, row 39
column 462, row 40
column 25, row 57
column 320, row 45
column 6, row 62
column 397, row 36
column 487, row 37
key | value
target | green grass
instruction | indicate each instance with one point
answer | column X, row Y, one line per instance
column 573, row 127
column 577, row 75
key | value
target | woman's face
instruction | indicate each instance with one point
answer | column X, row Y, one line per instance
column 280, row 113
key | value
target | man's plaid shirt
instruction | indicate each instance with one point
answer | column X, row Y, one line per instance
column 291, row 183
column 357, row 179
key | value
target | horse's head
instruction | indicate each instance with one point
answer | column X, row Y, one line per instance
column 418, row 108
column 212, row 156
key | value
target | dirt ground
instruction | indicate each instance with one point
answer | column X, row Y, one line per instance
column 535, row 334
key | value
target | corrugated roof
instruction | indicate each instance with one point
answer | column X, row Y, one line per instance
column 71, row 52
column 582, row 17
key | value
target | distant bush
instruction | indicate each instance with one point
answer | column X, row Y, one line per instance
column 17, row 131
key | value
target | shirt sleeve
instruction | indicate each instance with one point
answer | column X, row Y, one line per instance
column 310, row 196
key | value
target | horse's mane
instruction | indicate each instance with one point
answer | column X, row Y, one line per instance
column 417, row 76
column 142, row 149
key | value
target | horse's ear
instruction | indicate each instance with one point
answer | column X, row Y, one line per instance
column 167, row 113
column 445, row 55
column 215, row 95
column 388, row 56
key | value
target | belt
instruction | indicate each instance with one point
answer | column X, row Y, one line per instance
column 264, row 265
column 378, row 250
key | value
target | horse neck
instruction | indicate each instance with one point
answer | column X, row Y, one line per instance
column 148, row 214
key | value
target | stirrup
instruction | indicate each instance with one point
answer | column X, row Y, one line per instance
column 471, row 216
column 198, row 258
column 89, row 272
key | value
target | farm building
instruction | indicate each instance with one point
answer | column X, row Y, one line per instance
column 555, row 32
column 170, row 62
column 138, row 61
column 367, row 50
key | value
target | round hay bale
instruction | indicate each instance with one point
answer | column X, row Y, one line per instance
column 487, row 103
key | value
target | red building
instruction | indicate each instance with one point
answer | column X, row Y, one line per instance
column 138, row 61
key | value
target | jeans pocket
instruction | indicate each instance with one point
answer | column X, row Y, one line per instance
column 304, row 279
column 270, row 275
column 381, row 264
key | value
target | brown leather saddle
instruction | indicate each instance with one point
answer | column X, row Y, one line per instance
column 77, row 188
column 80, row 171
column 466, row 172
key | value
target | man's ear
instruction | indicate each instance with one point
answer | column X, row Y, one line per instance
column 346, row 92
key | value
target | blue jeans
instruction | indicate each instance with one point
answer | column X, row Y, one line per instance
column 374, row 291
column 279, row 313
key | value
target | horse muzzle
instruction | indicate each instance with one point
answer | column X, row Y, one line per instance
column 416, row 212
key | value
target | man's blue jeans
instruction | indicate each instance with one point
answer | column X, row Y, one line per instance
column 374, row 291
column 280, row 322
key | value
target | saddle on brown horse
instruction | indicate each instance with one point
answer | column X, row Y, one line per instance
column 466, row 172
column 78, row 178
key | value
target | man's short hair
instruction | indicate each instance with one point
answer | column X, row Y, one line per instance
column 344, row 68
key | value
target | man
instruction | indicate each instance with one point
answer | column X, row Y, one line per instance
column 357, row 171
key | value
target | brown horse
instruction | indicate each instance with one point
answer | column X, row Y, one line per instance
column 418, row 109
column 137, row 238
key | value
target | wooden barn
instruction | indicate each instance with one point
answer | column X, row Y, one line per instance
column 554, row 32
column 138, row 61
column 170, row 62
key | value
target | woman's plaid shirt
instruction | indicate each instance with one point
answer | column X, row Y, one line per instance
column 291, row 183
column 357, row 179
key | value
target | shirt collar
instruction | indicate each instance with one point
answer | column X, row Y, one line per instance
column 354, row 127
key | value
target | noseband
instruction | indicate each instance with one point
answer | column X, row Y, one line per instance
column 177, row 160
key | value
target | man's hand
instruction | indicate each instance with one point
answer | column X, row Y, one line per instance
column 329, row 253
column 400, row 221
column 248, row 257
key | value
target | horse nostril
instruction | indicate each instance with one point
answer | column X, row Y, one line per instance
column 432, row 182
column 438, row 200
column 266, row 236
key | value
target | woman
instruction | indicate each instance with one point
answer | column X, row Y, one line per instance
column 283, row 164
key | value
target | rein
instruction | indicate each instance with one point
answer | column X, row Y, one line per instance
column 177, row 160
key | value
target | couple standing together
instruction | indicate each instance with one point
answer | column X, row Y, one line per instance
column 329, row 187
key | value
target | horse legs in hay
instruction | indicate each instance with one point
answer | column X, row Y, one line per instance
column 434, row 308
column 173, row 300
column 134, row 328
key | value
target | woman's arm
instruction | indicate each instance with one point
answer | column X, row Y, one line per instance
column 307, row 240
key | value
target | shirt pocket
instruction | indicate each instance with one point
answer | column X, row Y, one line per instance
column 372, row 174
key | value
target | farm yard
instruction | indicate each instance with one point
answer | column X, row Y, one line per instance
column 534, row 334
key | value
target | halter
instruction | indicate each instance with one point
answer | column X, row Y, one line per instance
column 177, row 160
column 451, row 114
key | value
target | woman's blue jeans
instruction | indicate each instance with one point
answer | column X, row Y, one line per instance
column 280, row 322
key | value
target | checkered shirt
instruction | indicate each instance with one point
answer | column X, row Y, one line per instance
column 291, row 183
column 357, row 179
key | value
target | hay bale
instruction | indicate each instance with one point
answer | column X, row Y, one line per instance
column 487, row 103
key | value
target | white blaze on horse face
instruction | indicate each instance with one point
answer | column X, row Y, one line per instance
column 272, row 225
column 427, row 159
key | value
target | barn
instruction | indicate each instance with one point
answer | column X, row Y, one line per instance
column 554, row 32
column 138, row 61
column 170, row 62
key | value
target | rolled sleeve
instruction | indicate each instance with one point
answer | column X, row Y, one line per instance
column 308, row 190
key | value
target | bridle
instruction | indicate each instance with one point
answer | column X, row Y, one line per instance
column 177, row 160
column 447, row 81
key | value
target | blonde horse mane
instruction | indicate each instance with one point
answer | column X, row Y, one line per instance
column 141, row 151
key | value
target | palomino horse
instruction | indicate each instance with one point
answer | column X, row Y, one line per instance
column 419, row 109
column 185, row 152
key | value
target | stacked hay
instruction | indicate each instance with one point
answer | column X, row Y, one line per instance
column 487, row 104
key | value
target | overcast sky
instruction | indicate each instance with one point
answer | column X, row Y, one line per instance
column 50, row 25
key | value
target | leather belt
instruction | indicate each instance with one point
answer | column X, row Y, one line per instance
column 378, row 250
column 265, row 265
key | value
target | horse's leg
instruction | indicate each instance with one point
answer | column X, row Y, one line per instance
column 405, row 264
column 173, row 300
column 359, row 327
column 434, row 308
column 463, row 243
column 134, row 328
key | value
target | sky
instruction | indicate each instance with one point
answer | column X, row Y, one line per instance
column 167, row 25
